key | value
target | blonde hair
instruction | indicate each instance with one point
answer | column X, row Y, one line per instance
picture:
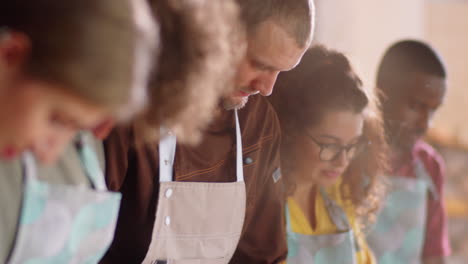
column 89, row 47
column 202, row 43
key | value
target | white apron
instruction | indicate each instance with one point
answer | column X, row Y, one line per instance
column 196, row 222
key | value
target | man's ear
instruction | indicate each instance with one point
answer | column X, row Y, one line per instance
column 15, row 48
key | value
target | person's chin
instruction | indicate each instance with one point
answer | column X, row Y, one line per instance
column 235, row 102
column 403, row 139
column 327, row 180
column 407, row 143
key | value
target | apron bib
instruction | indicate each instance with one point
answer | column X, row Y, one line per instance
column 196, row 222
column 339, row 248
column 399, row 232
column 61, row 224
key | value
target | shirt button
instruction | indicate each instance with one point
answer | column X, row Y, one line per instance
column 248, row 160
column 168, row 193
column 167, row 221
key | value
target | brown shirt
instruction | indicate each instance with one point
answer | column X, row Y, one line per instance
column 134, row 170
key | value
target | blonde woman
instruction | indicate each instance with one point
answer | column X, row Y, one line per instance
column 65, row 66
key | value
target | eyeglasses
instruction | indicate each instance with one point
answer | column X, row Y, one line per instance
column 329, row 152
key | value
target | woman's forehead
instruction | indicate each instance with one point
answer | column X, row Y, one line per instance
column 344, row 125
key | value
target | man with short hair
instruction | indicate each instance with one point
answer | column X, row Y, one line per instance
column 150, row 224
column 278, row 32
column 412, row 226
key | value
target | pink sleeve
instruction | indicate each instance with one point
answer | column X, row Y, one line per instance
column 437, row 239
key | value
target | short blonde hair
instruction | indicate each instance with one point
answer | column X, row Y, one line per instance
column 88, row 47
column 202, row 43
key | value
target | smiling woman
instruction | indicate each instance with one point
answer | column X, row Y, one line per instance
column 332, row 157
column 60, row 73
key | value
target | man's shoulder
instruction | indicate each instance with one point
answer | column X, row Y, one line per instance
column 258, row 120
column 432, row 160
column 427, row 153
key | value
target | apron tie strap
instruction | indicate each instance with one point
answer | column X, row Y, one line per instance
column 90, row 163
column 422, row 174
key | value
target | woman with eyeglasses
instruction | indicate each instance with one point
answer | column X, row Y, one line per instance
column 332, row 155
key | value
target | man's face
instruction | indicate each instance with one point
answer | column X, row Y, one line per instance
column 270, row 50
column 410, row 108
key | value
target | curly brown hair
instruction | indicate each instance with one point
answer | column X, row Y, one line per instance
column 202, row 43
column 323, row 81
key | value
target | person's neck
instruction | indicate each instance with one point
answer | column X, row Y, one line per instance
column 303, row 186
column 400, row 156
column 218, row 112
column 222, row 119
column 304, row 196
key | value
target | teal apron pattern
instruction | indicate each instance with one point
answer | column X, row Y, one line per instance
column 61, row 224
column 338, row 248
column 399, row 232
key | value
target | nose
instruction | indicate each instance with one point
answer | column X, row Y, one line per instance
column 424, row 121
column 265, row 83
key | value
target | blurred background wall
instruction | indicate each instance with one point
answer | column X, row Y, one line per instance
column 363, row 29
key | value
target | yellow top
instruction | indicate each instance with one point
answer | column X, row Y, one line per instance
column 301, row 225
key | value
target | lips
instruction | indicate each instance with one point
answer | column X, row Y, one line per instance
column 331, row 174
column 242, row 94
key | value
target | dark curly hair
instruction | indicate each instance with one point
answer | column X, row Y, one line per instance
column 324, row 81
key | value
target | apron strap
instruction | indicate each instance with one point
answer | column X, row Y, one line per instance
column 239, row 165
column 90, row 163
column 422, row 174
column 28, row 163
column 167, row 150
column 337, row 214
column 288, row 219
